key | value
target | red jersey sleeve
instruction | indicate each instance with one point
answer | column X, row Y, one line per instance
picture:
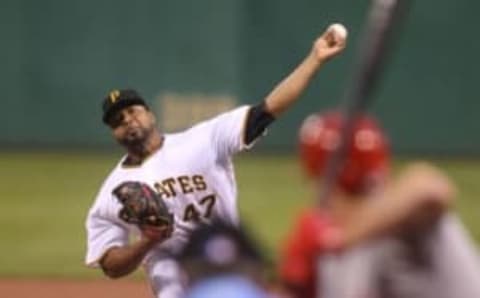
column 313, row 233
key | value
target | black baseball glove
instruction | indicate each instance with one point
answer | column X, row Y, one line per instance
column 142, row 205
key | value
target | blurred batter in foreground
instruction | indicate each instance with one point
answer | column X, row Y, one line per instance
column 378, row 236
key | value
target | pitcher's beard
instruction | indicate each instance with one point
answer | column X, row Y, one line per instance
column 135, row 138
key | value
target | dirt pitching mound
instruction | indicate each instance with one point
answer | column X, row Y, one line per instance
column 50, row 288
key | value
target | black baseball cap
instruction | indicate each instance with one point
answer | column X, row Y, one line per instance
column 119, row 99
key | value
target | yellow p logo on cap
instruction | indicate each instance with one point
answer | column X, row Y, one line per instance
column 114, row 95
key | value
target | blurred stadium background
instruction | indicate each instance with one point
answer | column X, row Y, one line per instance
column 193, row 59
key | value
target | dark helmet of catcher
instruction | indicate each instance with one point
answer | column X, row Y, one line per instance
column 367, row 158
column 220, row 248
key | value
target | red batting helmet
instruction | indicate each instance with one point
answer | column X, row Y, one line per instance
column 367, row 158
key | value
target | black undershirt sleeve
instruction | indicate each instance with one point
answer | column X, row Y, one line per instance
column 258, row 120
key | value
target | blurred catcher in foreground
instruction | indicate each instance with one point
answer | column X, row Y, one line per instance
column 378, row 236
column 223, row 261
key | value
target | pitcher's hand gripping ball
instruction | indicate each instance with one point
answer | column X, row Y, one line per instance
column 142, row 205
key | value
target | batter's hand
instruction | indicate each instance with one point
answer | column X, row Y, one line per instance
column 329, row 44
column 423, row 180
column 429, row 191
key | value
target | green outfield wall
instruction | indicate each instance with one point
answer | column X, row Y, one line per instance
column 192, row 59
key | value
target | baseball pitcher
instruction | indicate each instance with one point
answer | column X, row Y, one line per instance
column 168, row 184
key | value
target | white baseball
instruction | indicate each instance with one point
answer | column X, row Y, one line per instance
column 339, row 30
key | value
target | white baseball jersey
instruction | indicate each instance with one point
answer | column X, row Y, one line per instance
column 193, row 173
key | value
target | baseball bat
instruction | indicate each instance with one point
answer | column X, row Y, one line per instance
column 375, row 45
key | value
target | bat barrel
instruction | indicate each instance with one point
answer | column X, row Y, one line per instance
column 375, row 45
